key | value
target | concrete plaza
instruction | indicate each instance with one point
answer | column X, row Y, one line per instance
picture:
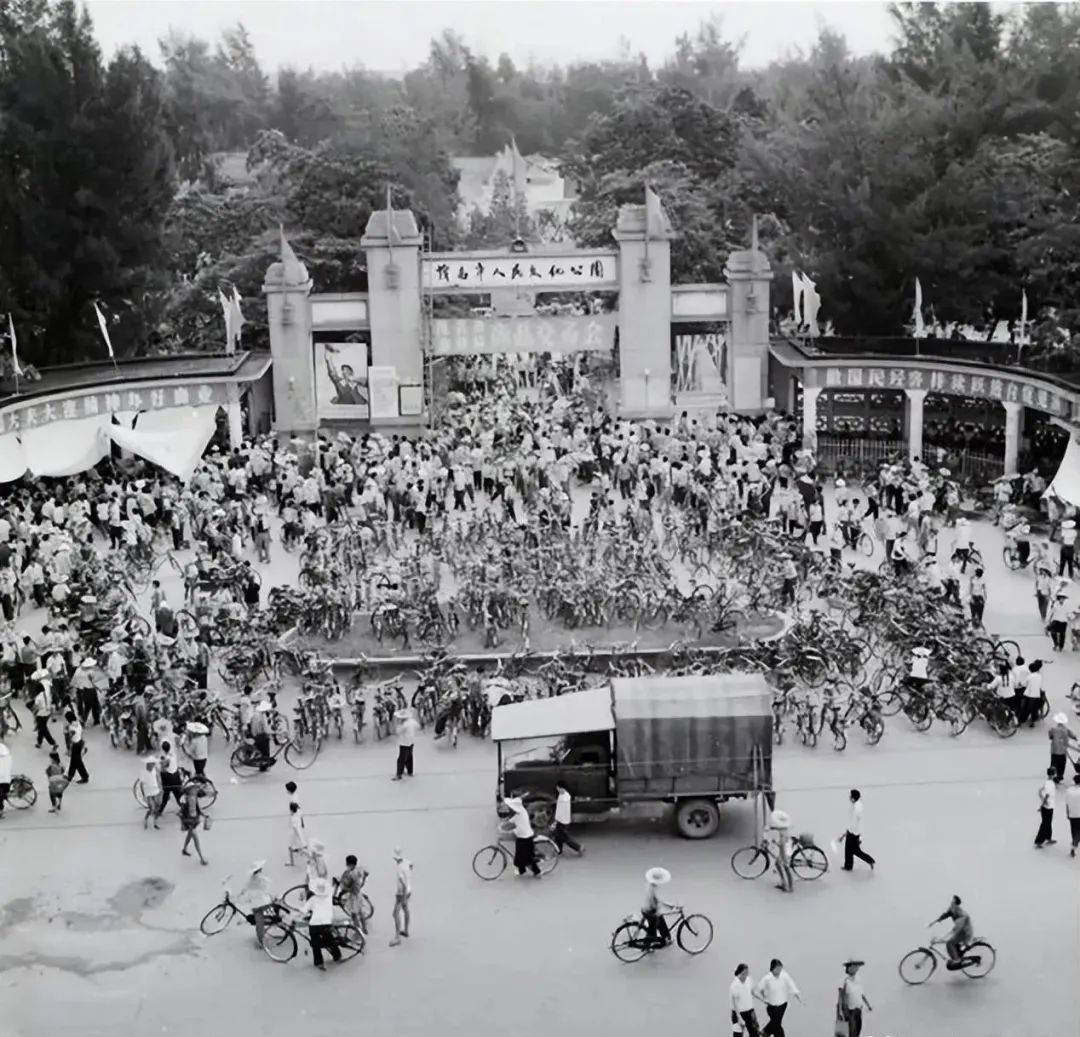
column 99, row 919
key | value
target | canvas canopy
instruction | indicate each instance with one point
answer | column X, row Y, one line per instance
column 588, row 710
column 1066, row 483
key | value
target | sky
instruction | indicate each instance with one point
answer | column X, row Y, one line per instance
column 393, row 35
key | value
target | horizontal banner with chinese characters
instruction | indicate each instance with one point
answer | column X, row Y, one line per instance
column 462, row 335
column 119, row 400
column 476, row 272
column 987, row 387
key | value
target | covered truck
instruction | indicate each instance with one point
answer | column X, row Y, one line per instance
column 694, row 742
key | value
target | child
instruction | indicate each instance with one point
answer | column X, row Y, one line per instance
column 298, row 841
column 57, row 781
column 349, row 886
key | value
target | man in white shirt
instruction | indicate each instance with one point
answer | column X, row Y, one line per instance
column 402, row 895
column 1047, row 791
column 775, row 988
column 1072, row 811
column 742, row 1001
column 320, row 910
column 563, row 814
column 853, row 835
column 406, row 739
column 1068, row 547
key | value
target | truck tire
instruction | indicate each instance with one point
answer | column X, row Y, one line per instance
column 697, row 818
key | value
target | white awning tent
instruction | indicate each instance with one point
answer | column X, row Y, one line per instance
column 1066, row 483
column 588, row 710
column 174, row 439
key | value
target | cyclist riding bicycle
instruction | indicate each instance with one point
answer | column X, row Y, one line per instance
column 658, row 934
column 1017, row 537
column 962, row 934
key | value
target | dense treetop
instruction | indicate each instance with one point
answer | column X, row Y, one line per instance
column 953, row 158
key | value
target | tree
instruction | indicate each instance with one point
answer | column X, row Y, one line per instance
column 85, row 181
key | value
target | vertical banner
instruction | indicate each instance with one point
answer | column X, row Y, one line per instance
column 341, row 380
column 383, row 386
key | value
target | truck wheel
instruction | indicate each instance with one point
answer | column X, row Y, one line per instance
column 697, row 818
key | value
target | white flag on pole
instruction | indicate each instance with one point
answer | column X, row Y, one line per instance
column 104, row 331
column 238, row 321
column 920, row 328
column 797, row 297
column 226, row 312
column 14, row 349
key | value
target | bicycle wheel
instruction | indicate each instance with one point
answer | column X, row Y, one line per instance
column 865, row 544
column 547, row 854
column 920, row 716
column 367, row 908
column 22, row 793
column 295, row 898
column 245, row 760
column 890, row 702
column 628, row 942
column 217, row 919
column 279, row 942
column 984, row 958
column 137, row 792
column 205, row 791
column 874, row 730
column 1003, row 721
column 839, row 739
column 809, row 863
column 917, row 966
column 349, row 939
column 751, row 862
column 302, row 752
column 489, row 863
column 1011, row 557
column 694, row 934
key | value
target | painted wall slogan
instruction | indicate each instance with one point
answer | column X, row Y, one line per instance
column 34, row 415
column 988, row 387
column 479, row 272
column 461, row 335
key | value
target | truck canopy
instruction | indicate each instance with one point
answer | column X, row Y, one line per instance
column 693, row 734
column 588, row 710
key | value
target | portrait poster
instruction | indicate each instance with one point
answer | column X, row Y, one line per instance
column 341, row 380
column 383, row 387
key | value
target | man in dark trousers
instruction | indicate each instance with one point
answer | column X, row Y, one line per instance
column 563, row 808
column 1045, row 835
column 853, row 835
column 407, row 731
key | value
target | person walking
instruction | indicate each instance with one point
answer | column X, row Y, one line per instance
column 524, row 837
column 1033, row 693
column 407, row 731
column 1059, row 736
column 1067, row 558
column 1057, row 620
column 197, row 741
column 741, row 993
column 1072, row 811
column 86, row 693
column 1047, row 790
column 349, row 888
column 57, row 780
column 402, row 896
column 563, row 815
column 73, row 730
column 320, row 911
column 780, row 824
column 5, row 776
column 852, row 999
column 169, row 770
column 853, row 835
column 298, row 843
column 150, row 784
column 42, row 709
column 775, row 989
column 1044, row 585
column 191, row 816
column 977, row 597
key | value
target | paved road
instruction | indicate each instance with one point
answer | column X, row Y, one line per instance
column 98, row 919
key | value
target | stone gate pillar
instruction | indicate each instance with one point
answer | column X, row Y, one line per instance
column 394, row 305
column 644, row 316
column 748, row 273
column 288, row 314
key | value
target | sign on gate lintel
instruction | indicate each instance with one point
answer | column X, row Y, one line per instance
column 481, row 272
column 460, row 336
column 1000, row 388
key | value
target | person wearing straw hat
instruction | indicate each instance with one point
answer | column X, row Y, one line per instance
column 260, row 734
column 42, row 708
column 524, row 837
column 320, row 911
column 86, row 693
column 657, row 932
column 1057, row 620
column 256, row 897
column 1060, row 736
column 150, row 784
column 408, row 728
column 197, row 745
column 852, row 998
column 402, row 895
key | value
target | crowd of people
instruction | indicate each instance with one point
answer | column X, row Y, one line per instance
column 553, row 454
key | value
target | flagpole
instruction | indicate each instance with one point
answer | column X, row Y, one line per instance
column 14, row 353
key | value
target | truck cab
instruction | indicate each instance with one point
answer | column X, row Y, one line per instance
column 583, row 762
